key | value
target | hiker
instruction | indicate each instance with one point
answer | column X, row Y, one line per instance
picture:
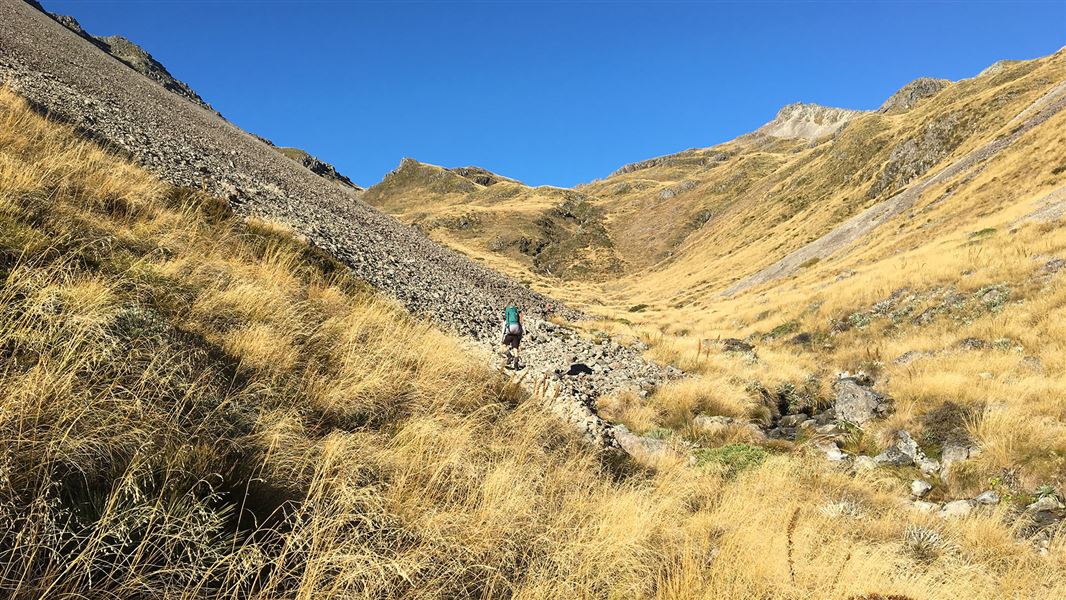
column 512, row 334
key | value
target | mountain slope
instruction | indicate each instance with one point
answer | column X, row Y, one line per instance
column 187, row 146
column 141, row 61
column 544, row 231
column 197, row 406
column 687, row 226
column 135, row 58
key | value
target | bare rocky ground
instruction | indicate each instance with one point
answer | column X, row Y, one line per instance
column 66, row 76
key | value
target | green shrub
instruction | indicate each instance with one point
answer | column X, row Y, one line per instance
column 638, row 308
column 733, row 458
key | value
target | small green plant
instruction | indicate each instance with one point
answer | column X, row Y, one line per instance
column 659, row 433
column 859, row 320
column 733, row 458
column 984, row 233
column 638, row 308
column 1045, row 491
column 782, row 330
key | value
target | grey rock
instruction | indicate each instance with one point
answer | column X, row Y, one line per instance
column 909, row 357
column 1046, row 504
column 901, row 453
column 911, row 94
column 735, row 345
column 792, row 420
column 830, row 430
column 988, row 497
column 951, row 455
column 920, row 488
column 928, row 466
column 924, row 506
column 831, row 451
column 858, row 404
column 956, row 509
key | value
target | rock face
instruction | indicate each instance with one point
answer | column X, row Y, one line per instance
column 480, row 176
column 858, row 404
column 911, row 94
column 318, row 167
column 807, row 121
column 67, row 75
column 135, row 58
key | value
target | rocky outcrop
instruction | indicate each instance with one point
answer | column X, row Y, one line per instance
column 914, row 156
column 807, row 121
column 911, row 94
column 481, row 176
column 318, row 167
column 688, row 158
column 135, row 58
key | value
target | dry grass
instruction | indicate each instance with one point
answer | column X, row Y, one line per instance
column 195, row 407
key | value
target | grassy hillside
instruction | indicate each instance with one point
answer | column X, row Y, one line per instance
column 542, row 233
column 951, row 306
column 192, row 406
column 682, row 228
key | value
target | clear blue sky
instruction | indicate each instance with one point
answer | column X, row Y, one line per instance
column 552, row 92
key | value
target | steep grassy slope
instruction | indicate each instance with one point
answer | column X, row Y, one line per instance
column 542, row 232
column 199, row 407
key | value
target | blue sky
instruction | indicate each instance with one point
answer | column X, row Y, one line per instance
column 552, row 92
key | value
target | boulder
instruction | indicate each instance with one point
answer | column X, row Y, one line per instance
column 924, row 506
column 956, row 509
column 928, row 466
column 792, row 420
column 920, row 488
column 903, row 452
column 1046, row 511
column 953, row 454
column 987, row 498
column 831, row 451
column 858, row 404
column 641, row 446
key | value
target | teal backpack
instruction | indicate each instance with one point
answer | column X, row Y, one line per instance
column 511, row 315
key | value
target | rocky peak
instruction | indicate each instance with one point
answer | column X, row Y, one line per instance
column 135, row 58
column 807, row 121
column 480, row 176
column 911, row 94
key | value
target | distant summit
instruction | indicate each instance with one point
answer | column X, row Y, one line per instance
column 807, row 121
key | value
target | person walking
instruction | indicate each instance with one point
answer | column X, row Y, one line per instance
column 513, row 329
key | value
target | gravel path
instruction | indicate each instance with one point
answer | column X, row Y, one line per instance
column 185, row 144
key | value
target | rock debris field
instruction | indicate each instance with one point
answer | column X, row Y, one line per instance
column 69, row 78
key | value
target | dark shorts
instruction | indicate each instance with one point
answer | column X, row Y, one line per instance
column 512, row 340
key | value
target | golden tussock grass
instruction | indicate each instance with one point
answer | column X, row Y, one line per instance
column 192, row 406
